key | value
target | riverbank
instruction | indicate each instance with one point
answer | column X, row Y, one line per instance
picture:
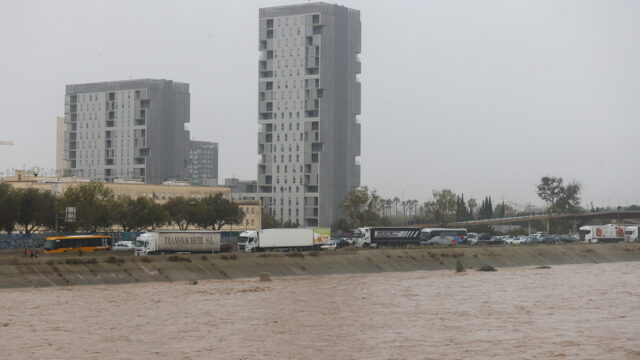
column 117, row 268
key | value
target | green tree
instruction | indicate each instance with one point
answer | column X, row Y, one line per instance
column 216, row 211
column 8, row 206
column 269, row 221
column 560, row 198
column 361, row 207
column 471, row 204
column 35, row 209
column 443, row 207
column 92, row 202
column 137, row 214
column 182, row 211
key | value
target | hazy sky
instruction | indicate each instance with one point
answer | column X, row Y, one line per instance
column 482, row 97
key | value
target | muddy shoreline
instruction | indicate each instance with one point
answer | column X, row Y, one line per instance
column 117, row 268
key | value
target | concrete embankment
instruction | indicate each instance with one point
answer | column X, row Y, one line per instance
column 116, row 268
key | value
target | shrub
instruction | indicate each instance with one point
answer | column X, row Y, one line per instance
column 176, row 258
column 460, row 266
column 114, row 260
column 295, row 254
column 314, row 253
column 204, row 257
column 73, row 261
column 487, row 268
column 145, row 259
column 544, row 267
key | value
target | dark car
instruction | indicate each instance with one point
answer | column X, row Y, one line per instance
column 342, row 243
column 226, row 247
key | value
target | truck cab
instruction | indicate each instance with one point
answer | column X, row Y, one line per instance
column 144, row 244
column 362, row 237
column 248, row 241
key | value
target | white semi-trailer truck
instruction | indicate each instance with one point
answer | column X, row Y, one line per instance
column 168, row 242
column 601, row 233
column 279, row 239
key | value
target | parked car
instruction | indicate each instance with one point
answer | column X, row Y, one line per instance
column 226, row 247
column 123, row 245
column 342, row 243
column 531, row 240
column 472, row 238
column 331, row 245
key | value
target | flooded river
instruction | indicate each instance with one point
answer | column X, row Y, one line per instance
column 567, row 312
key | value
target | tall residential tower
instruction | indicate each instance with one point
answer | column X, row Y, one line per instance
column 309, row 97
column 127, row 129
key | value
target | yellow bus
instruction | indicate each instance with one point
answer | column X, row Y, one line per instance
column 75, row 243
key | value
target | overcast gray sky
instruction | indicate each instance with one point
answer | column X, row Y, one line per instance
column 482, row 97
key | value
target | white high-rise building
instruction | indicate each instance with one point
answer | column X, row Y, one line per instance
column 309, row 97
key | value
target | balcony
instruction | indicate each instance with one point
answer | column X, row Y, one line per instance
column 310, row 105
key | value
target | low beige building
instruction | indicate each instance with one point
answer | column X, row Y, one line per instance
column 133, row 189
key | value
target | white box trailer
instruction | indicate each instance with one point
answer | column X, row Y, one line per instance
column 168, row 242
column 283, row 239
column 601, row 233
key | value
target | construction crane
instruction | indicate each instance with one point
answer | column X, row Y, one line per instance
column 6, row 142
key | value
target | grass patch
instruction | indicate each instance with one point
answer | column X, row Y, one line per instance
column 78, row 261
column 204, row 257
column 487, row 268
column 176, row 258
column 295, row 254
column 145, row 259
column 114, row 260
column 314, row 253
column 588, row 250
column 229, row 257
column 457, row 255
column 444, row 255
column 267, row 254
column 73, row 261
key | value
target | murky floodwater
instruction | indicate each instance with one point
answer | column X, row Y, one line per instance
column 566, row 312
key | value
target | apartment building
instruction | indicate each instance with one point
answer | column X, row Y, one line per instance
column 127, row 129
column 308, row 100
column 203, row 163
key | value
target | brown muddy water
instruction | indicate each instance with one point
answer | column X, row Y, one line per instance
column 589, row 311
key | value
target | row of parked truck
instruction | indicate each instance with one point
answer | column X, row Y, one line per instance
column 161, row 242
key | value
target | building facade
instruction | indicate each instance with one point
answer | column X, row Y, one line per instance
column 127, row 129
column 61, row 163
column 203, row 163
column 242, row 189
column 308, row 100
